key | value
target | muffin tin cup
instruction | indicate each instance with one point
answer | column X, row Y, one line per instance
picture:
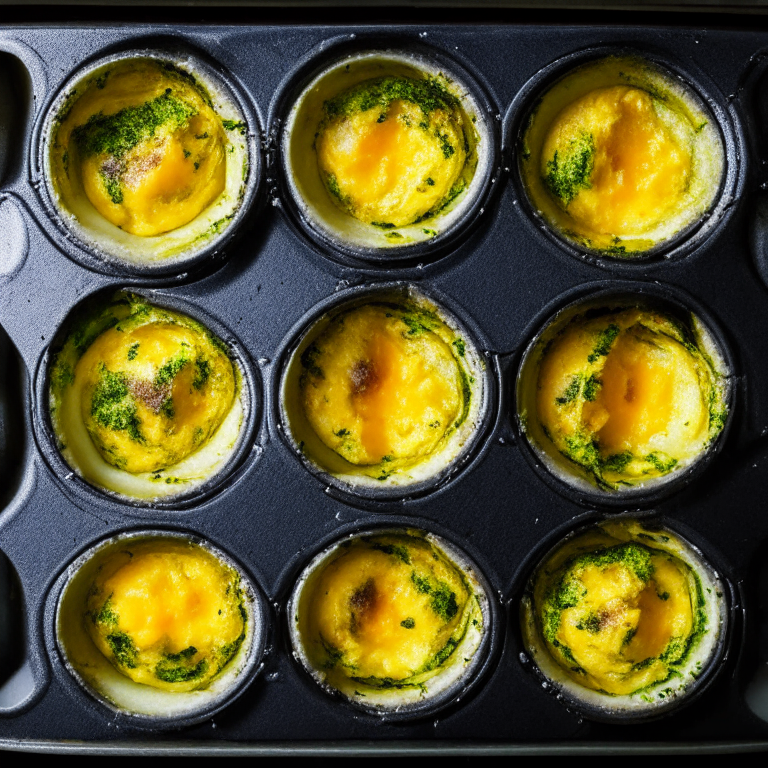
column 241, row 458
column 228, row 685
column 692, row 237
column 71, row 236
column 460, row 689
column 623, row 294
column 401, row 53
column 471, row 450
column 730, row 613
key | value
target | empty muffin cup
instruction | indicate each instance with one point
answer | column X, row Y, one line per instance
column 626, row 620
column 621, row 158
column 384, row 151
column 623, row 395
column 147, row 161
column 159, row 626
column 384, row 394
column 397, row 622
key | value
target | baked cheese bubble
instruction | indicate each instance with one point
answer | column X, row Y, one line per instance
column 384, row 392
column 392, row 151
column 147, row 160
column 167, row 614
column 624, row 617
column 625, row 396
column 145, row 402
column 619, row 157
column 388, row 618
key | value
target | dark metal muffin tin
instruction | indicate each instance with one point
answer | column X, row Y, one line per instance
column 271, row 515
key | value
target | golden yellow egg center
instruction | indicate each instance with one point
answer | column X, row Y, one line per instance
column 148, row 147
column 383, row 609
column 621, row 617
column 613, row 164
column 628, row 396
column 166, row 614
column 392, row 151
column 379, row 385
column 153, row 393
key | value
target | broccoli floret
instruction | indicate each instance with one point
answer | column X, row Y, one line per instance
column 401, row 553
column 202, row 373
column 604, row 341
column 168, row 372
column 571, row 391
column 117, row 134
column 112, row 405
column 170, row 672
column 123, row 649
column 591, row 386
column 567, row 174
column 443, row 602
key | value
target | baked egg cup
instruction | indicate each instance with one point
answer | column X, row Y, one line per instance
column 160, row 627
column 625, row 620
column 384, row 394
column 146, row 404
column 621, row 158
column 397, row 622
column 147, row 161
column 383, row 150
column 620, row 397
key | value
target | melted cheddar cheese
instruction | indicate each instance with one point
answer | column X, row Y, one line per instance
column 627, row 396
column 166, row 614
column 381, row 387
column 384, row 609
column 617, row 613
column 392, row 151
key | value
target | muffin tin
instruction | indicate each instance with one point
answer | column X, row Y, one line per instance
column 503, row 277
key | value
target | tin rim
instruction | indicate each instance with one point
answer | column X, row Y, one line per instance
column 726, row 601
column 251, row 395
column 470, row 451
column 462, row 687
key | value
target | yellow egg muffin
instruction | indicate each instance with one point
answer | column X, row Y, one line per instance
column 385, row 391
column 144, row 401
column 619, row 157
column 624, row 396
column 166, row 614
column 382, row 615
column 385, row 150
column 630, row 613
column 142, row 160
column 392, row 151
